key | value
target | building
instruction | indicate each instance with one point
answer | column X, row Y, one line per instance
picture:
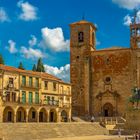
column 28, row 96
column 102, row 80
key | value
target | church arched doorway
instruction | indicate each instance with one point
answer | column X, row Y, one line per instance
column 108, row 110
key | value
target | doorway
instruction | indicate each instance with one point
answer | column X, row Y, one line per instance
column 108, row 110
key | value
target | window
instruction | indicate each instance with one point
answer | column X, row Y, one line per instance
column 48, row 98
column 68, row 89
column 37, row 82
column 23, row 80
column 36, row 97
column 30, row 97
column 52, row 98
column 8, row 96
column 23, row 97
column 33, row 114
column 54, row 86
column 11, row 81
column 30, row 81
column 13, row 97
column 46, row 84
column 80, row 37
column 61, row 90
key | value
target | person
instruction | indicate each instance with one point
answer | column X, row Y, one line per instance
column 119, row 132
column 136, row 135
column 92, row 118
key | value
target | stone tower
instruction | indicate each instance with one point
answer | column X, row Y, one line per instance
column 82, row 43
column 135, row 33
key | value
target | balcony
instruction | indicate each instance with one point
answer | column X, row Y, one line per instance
column 31, row 86
column 50, row 102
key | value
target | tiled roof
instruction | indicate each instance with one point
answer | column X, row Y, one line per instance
column 29, row 72
column 83, row 22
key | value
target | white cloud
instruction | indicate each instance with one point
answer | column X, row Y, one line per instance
column 31, row 53
column 128, row 19
column 62, row 72
column 3, row 15
column 29, row 12
column 32, row 41
column 128, row 4
column 54, row 39
column 12, row 46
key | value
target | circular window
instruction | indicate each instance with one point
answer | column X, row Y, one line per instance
column 108, row 80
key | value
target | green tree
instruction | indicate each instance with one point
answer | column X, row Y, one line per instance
column 21, row 66
column 34, row 68
column 1, row 60
column 40, row 66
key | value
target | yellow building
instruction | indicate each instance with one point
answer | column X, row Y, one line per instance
column 27, row 96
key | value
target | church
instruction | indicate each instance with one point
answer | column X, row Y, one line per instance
column 102, row 80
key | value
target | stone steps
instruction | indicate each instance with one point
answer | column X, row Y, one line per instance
column 40, row 131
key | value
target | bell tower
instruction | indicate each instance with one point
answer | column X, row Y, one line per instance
column 135, row 33
column 82, row 43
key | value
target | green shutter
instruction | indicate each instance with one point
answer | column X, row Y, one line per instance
column 30, row 81
column 30, row 97
column 23, row 97
column 23, row 80
column 37, row 82
column 36, row 97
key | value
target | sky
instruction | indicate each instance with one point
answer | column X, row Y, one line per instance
column 30, row 29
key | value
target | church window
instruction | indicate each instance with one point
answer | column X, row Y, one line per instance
column 80, row 37
column 77, row 57
column 107, row 79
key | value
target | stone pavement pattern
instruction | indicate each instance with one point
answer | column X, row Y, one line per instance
column 41, row 131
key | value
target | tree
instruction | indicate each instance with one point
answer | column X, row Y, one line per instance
column 21, row 66
column 40, row 66
column 34, row 68
column 1, row 60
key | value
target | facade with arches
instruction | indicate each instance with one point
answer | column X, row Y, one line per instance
column 27, row 96
column 102, row 80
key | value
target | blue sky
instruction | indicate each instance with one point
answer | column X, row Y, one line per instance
column 40, row 28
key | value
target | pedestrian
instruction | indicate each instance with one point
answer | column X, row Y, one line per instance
column 119, row 132
column 92, row 118
column 136, row 135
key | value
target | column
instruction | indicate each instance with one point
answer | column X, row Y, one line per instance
column 38, row 116
column 27, row 115
column 14, row 117
column 48, row 115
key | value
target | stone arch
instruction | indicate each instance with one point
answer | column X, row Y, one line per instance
column 42, row 115
column 21, row 114
column 32, row 115
column 64, row 116
column 53, row 115
column 108, row 110
column 8, row 114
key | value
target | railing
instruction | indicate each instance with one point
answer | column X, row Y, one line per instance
column 19, row 101
column 33, row 85
column 50, row 102
column 111, row 120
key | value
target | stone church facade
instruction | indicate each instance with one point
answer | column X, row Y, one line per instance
column 102, row 80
